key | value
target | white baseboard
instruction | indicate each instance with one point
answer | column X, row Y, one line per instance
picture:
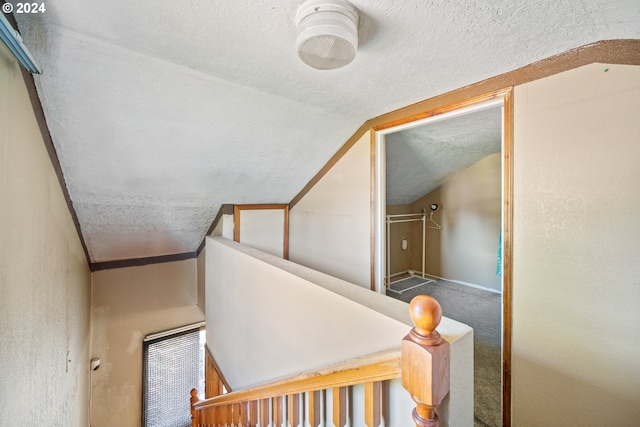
column 458, row 282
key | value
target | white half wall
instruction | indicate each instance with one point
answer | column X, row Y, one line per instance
column 576, row 268
column 269, row 318
column 330, row 227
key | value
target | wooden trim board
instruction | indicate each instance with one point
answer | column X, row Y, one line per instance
column 507, row 254
column 625, row 51
column 136, row 262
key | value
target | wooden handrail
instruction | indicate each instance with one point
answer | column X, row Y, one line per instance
column 375, row 367
column 422, row 362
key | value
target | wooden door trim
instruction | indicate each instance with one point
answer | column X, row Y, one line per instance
column 507, row 254
column 621, row 51
column 506, row 94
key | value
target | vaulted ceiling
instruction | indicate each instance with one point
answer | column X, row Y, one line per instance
column 161, row 111
column 421, row 159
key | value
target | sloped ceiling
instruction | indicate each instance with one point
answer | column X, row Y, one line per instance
column 421, row 159
column 160, row 111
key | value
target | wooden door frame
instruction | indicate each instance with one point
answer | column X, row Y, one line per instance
column 378, row 208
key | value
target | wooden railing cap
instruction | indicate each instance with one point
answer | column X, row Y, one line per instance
column 426, row 315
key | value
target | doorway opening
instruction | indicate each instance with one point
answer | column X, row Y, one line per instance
column 442, row 220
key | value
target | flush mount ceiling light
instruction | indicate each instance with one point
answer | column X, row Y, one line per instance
column 327, row 33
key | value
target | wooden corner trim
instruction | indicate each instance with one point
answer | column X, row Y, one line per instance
column 201, row 247
column 507, row 248
column 372, row 210
column 236, row 223
column 285, row 243
column 137, row 262
column 261, row 206
column 621, row 51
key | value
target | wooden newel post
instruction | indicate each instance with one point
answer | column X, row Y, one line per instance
column 425, row 361
column 194, row 414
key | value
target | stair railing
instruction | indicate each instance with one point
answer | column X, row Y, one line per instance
column 316, row 396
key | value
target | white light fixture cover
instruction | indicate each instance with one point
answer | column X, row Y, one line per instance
column 12, row 39
column 327, row 33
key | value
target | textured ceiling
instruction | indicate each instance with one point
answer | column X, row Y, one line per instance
column 160, row 111
column 421, row 159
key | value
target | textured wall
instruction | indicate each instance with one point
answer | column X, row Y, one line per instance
column 44, row 277
column 470, row 206
column 330, row 227
column 128, row 304
column 576, row 286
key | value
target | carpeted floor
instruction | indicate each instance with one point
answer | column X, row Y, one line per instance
column 481, row 310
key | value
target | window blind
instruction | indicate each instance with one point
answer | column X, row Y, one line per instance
column 172, row 367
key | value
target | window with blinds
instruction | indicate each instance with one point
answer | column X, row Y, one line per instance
column 173, row 365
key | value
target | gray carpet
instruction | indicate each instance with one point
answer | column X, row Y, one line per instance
column 482, row 311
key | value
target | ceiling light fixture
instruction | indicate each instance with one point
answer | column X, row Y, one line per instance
column 327, row 33
column 12, row 39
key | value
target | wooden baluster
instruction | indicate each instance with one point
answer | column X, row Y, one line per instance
column 214, row 417
column 207, row 417
column 253, row 413
column 244, row 414
column 277, row 411
column 194, row 414
column 230, row 415
column 234, row 414
column 425, row 361
column 220, row 415
column 339, row 406
column 314, row 408
column 385, row 400
column 264, row 412
column 293, row 403
column 372, row 403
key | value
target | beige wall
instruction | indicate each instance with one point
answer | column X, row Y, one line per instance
column 330, row 228
column 576, row 286
column 466, row 248
column 128, row 304
column 263, row 229
column 44, row 276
